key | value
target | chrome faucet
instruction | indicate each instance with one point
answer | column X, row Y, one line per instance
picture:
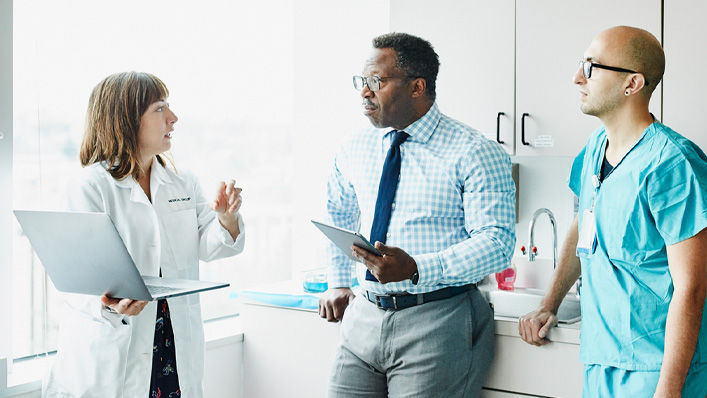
column 532, row 250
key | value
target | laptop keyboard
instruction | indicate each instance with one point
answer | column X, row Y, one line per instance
column 161, row 290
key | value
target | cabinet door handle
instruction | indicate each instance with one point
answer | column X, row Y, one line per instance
column 498, row 127
column 522, row 129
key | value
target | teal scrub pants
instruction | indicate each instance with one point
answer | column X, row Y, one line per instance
column 609, row 382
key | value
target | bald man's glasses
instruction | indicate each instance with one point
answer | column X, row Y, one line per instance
column 588, row 65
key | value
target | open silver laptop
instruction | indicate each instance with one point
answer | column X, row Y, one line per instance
column 83, row 253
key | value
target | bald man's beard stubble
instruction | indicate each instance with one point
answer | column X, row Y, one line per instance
column 600, row 106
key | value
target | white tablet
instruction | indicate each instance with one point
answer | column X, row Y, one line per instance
column 344, row 239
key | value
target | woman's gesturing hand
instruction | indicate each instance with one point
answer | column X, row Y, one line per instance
column 226, row 204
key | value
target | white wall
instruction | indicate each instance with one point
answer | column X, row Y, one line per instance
column 542, row 183
column 332, row 41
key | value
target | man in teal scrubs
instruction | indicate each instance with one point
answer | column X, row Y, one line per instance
column 640, row 237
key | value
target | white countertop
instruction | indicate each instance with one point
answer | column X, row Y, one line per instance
column 505, row 326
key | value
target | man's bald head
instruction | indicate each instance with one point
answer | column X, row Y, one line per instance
column 636, row 49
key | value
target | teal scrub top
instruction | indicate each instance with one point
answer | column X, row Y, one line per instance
column 656, row 196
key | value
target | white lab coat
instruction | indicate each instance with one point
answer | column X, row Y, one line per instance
column 101, row 356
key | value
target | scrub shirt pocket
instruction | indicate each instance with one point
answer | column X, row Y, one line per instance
column 182, row 231
column 622, row 233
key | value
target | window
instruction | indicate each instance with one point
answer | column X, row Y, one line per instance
column 263, row 95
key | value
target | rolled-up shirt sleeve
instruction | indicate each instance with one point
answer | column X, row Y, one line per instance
column 343, row 211
column 488, row 198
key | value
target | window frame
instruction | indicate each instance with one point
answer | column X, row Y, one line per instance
column 6, row 158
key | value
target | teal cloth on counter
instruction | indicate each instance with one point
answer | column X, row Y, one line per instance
column 304, row 301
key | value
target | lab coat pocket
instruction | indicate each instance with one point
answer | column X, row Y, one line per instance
column 183, row 237
column 92, row 356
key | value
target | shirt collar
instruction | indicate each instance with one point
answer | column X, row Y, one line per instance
column 422, row 129
column 160, row 172
column 126, row 182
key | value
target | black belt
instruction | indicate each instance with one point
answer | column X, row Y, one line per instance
column 399, row 301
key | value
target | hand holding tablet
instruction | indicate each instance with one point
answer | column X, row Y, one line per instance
column 344, row 239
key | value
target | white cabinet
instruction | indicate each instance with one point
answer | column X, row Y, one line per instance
column 552, row 370
column 519, row 57
column 551, row 36
column 289, row 353
column 685, row 33
column 286, row 352
column 474, row 40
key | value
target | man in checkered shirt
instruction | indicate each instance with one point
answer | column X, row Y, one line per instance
column 418, row 326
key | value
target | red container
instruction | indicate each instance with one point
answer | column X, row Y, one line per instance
column 506, row 278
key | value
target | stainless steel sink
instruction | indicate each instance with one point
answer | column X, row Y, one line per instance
column 516, row 303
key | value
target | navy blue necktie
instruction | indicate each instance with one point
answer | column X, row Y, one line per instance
column 386, row 192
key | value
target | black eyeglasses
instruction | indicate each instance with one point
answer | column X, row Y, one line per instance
column 588, row 65
column 373, row 82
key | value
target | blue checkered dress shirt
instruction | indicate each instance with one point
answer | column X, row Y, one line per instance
column 454, row 209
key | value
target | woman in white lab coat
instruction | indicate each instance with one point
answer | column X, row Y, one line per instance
column 124, row 348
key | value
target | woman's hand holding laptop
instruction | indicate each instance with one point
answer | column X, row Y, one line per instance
column 123, row 306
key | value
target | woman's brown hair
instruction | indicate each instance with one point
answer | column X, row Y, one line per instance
column 115, row 108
